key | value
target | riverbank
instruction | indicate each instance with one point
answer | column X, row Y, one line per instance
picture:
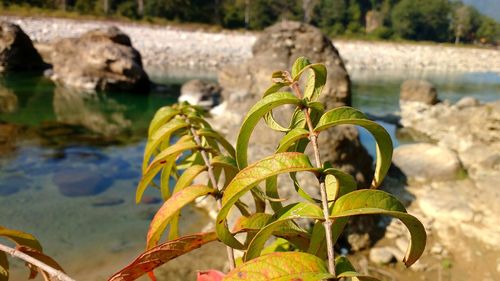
column 165, row 47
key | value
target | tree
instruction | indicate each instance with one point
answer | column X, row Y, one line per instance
column 462, row 22
column 422, row 20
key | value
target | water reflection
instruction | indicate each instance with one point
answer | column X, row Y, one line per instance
column 96, row 112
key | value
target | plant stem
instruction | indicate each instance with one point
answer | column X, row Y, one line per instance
column 213, row 181
column 313, row 136
column 54, row 273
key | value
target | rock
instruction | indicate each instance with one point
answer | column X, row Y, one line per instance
column 427, row 162
column 100, row 59
column 418, row 91
column 16, row 50
column 13, row 184
column 381, row 255
column 107, row 201
column 74, row 182
column 467, row 102
column 8, row 136
column 277, row 48
column 437, row 249
column 202, row 93
column 151, row 200
column 402, row 244
column 374, row 19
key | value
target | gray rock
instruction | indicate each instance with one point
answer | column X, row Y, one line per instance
column 402, row 243
column 425, row 161
column 75, row 182
column 381, row 255
column 101, row 59
column 418, row 91
column 202, row 93
column 107, row 201
column 467, row 102
column 16, row 50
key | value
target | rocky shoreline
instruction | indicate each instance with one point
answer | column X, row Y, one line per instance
column 163, row 47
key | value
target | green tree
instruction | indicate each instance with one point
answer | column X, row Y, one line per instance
column 422, row 20
column 489, row 30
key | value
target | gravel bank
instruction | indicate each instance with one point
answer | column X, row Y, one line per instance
column 163, row 47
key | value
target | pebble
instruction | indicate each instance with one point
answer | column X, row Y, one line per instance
column 107, row 201
column 381, row 255
column 74, row 182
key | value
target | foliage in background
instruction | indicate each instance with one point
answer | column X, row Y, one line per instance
column 431, row 20
column 182, row 146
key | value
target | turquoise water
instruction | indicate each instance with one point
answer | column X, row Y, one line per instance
column 70, row 161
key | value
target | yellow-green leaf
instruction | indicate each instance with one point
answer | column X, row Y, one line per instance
column 348, row 115
column 249, row 177
column 281, row 266
column 169, row 209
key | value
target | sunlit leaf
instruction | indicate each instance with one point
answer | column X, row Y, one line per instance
column 162, row 135
column 263, row 106
column 290, row 138
column 315, row 82
column 210, row 133
column 299, row 64
column 281, row 266
column 40, row 256
column 188, row 176
column 249, row 177
column 338, row 183
column 209, row 275
column 161, row 254
column 156, row 165
column 20, row 238
column 280, row 220
column 171, row 207
column 364, row 202
column 162, row 116
column 348, row 115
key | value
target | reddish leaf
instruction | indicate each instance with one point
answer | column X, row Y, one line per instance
column 161, row 254
column 210, row 275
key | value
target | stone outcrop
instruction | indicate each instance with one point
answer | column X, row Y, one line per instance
column 418, row 91
column 16, row 50
column 276, row 49
column 100, row 59
column 202, row 93
column 427, row 162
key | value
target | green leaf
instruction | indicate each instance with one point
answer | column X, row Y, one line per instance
column 317, row 246
column 228, row 164
column 4, row 267
column 20, row 238
column 161, row 254
column 338, row 183
column 162, row 116
column 156, row 165
column 249, row 177
column 162, row 135
column 188, row 176
column 315, row 81
column 281, row 266
column 262, row 107
column 290, row 138
column 348, row 115
column 363, row 202
column 299, row 64
column 210, row 133
column 344, row 268
column 170, row 207
column 280, row 77
column 281, row 222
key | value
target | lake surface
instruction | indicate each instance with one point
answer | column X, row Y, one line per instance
column 70, row 161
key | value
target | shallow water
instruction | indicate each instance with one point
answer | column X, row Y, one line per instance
column 70, row 161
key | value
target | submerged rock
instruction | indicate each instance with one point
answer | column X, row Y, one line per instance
column 74, row 182
column 16, row 50
column 418, row 91
column 100, row 59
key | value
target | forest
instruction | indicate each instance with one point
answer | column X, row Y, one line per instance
column 420, row 20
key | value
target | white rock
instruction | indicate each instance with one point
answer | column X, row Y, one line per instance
column 381, row 255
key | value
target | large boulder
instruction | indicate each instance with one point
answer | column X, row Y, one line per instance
column 276, row 49
column 418, row 91
column 101, row 59
column 202, row 93
column 16, row 50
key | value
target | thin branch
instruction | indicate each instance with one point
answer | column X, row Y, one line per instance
column 313, row 136
column 54, row 273
column 213, row 181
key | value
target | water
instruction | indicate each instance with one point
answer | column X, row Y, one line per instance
column 70, row 161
